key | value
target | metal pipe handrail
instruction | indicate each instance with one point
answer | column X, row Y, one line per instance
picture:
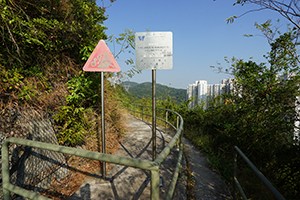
column 131, row 162
column 162, row 156
column 257, row 172
column 151, row 107
column 156, row 118
column 142, row 112
column 153, row 166
column 175, row 177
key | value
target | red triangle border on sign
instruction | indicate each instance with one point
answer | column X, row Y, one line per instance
column 101, row 60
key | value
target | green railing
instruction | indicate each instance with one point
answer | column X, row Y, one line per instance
column 140, row 109
column 177, row 138
column 271, row 188
column 153, row 166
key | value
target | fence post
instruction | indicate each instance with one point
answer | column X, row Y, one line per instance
column 181, row 148
column 133, row 110
column 154, row 184
column 177, row 123
column 142, row 113
column 177, row 126
column 5, row 170
column 166, row 121
column 234, row 174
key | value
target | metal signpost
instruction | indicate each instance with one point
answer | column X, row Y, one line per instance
column 101, row 60
column 154, row 50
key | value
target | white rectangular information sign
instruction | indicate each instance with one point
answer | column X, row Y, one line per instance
column 154, row 50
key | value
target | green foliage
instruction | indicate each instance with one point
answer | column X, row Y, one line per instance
column 83, row 95
column 125, row 44
column 125, row 40
column 44, row 44
column 230, row 19
column 10, row 79
column 259, row 117
column 267, row 112
column 48, row 29
column 142, row 94
column 28, row 92
column 126, row 97
column 144, row 90
column 167, row 103
column 287, row 9
column 73, row 125
column 83, row 89
column 266, row 102
column 45, row 40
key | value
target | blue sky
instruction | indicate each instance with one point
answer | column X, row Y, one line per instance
column 201, row 37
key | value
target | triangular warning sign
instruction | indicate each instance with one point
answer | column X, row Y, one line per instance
column 101, row 60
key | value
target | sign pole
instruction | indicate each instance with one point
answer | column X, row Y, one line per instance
column 153, row 114
column 101, row 60
column 103, row 123
column 154, row 50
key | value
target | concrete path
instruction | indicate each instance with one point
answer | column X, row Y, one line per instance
column 132, row 183
column 208, row 184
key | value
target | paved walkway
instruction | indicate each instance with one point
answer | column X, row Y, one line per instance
column 208, row 184
column 132, row 183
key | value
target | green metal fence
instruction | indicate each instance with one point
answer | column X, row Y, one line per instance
column 273, row 190
column 153, row 166
column 140, row 109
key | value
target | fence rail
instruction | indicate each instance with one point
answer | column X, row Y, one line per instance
column 142, row 112
column 177, row 138
column 257, row 172
column 153, row 166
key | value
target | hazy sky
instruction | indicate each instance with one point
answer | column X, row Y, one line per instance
column 201, row 37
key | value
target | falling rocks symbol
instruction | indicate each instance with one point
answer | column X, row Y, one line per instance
column 101, row 60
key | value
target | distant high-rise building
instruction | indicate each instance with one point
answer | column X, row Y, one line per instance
column 200, row 92
column 226, row 81
column 196, row 93
column 284, row 77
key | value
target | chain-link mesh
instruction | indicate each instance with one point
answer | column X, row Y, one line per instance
column 31, row 168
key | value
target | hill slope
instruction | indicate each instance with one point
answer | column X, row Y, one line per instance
column 144, row 90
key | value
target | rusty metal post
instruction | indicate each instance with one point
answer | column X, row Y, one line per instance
column 103, row 123
column 153, row 114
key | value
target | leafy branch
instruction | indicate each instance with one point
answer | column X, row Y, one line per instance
column 289, row 10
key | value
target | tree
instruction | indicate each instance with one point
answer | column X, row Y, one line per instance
column 263, row 121
column 288, row 9
column 43, row 46
column 44, row 41
column 262, row 112
column 125, row 44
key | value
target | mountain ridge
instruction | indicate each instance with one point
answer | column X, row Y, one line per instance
column 144, row 90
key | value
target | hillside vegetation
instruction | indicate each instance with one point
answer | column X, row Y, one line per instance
column 144, row 90
column 44, row 45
